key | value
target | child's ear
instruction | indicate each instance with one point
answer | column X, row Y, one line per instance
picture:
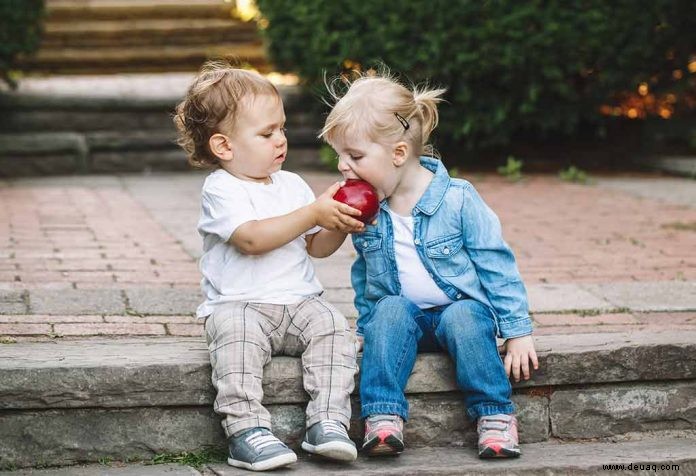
column 400, row 153
column 221, row 146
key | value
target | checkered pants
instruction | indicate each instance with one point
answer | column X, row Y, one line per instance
column 243, row 336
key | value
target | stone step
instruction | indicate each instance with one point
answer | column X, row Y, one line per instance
column 142, row 58
column 64, row 402
column 141, row 32
column 72, row 10
column 60, row 133
column 655, row 456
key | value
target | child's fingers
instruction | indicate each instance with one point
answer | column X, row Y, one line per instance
column 535, row 361
column 516, row 367
column 347, row 210
column 349, row 224
column 508, row 364
column 525, row 367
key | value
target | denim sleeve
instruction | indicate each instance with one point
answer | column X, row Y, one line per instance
column 358, row 278
column 495, row 265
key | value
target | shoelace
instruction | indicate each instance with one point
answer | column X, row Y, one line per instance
column 495, row 428
column 378, row 423
column 495, row 423
column 260, row 440
column 335, row 427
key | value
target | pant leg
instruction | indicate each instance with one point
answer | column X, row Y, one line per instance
column 389, row 354
column 467, row 331
column 239, row 348
column 320, row 333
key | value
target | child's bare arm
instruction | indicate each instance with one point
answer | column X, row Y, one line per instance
column 519, row 352
column 261, row 236
column 324, row 243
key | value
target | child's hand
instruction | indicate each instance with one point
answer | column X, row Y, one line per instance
column 360, row 341
column 518, row 352
column 334, row 215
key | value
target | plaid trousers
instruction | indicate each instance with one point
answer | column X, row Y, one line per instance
column 242, row 337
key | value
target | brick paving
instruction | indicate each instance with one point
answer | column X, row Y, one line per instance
column 116, row 256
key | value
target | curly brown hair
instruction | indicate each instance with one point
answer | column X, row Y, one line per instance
column 211, row 104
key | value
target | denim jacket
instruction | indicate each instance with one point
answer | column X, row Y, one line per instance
column 459, row 241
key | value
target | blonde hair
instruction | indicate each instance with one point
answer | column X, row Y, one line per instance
column 211, row 104
column 382, row 109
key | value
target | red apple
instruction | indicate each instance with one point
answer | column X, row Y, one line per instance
column 359, row 194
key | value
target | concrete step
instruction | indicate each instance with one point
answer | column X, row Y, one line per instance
column 64, row 402
column 142, row 58
column 72, row 10
column 655, row 456
column 60, row 133
column 141, row 32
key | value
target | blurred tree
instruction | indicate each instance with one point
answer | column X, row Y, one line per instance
column 537, row 68
column 20, row 32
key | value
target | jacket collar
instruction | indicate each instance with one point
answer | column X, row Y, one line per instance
column 435, row 193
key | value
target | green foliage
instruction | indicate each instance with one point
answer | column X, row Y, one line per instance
column 512, row 170
column 536, row 68
column 20, row 32
column 195, row 459
column 328, row 157
column 574, row 174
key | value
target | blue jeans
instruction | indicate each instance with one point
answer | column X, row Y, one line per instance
column 397, row 330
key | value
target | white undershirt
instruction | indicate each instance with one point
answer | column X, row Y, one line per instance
column 416, row 283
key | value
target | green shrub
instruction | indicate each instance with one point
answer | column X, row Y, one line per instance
column 574, row 175
column 20, row 32
column 512, row 170
column 536, row 68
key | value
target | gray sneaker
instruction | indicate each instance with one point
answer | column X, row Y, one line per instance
column 329, row 438
column 258, row 450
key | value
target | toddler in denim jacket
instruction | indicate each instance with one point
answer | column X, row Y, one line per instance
column 432, row 273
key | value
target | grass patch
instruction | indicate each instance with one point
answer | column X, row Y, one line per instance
column 196, row 459
column 681, row 226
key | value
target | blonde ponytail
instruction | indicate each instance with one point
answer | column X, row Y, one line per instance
column 426, row 101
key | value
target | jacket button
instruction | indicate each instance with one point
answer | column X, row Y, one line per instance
column 459, row 295
column 365, row 244
column 446, row 250
column 417, row 241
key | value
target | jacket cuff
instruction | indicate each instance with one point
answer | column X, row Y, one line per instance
column 515, row 327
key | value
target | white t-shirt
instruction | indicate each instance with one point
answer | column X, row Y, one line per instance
column 416, row 283
column 282, row 276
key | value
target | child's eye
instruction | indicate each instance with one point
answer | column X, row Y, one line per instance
column 267, row 134
column 356, row 157
column 284, row 130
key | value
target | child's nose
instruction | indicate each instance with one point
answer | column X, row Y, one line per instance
column 342, row 166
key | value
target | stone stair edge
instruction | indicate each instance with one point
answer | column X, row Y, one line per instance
column 71, row 10
column 176, row 371
column 651, row 455
column 293, row 96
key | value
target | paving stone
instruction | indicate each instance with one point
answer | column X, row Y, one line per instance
column 164, row 301
column 12, row 302
column 74, row 301
column 110, row 469
column 655, row 296
column 563, row 297
column 616, row 409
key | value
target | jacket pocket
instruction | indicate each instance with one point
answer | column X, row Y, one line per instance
column 448, row 256
column 370, row 245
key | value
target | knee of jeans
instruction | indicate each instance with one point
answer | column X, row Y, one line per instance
column 391, row 312
column 466, row 319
